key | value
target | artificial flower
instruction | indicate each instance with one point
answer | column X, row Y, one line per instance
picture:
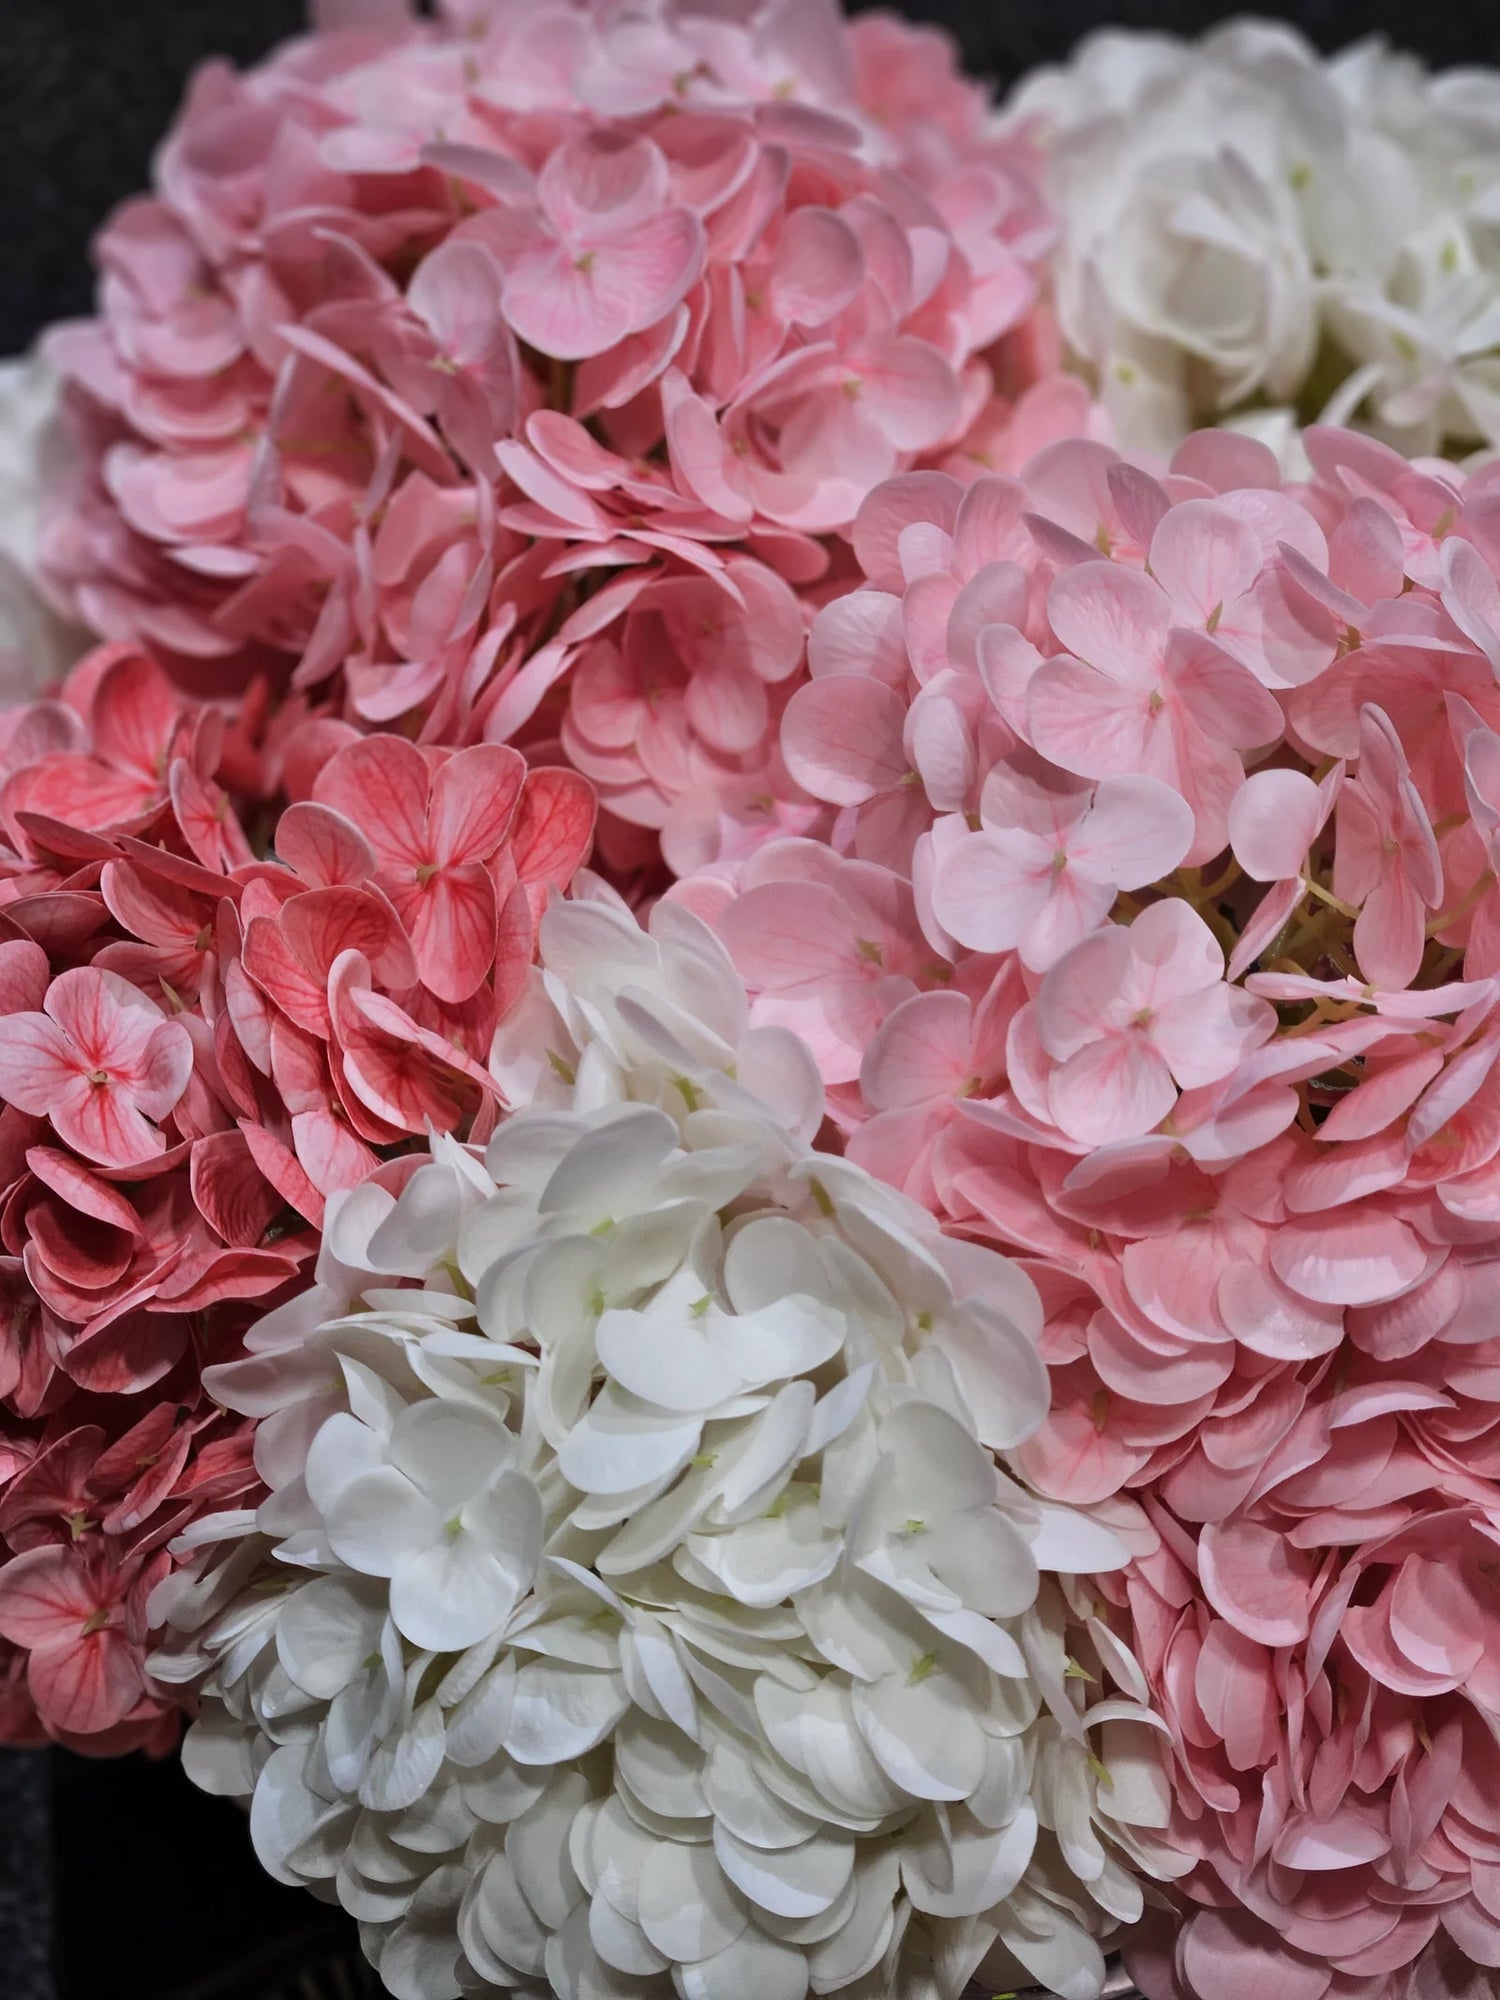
column 1246, row 223
column 642, row 1603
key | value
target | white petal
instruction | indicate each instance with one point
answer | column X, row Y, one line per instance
column 537, row 1847
column 1075, row 1544
column 342, row 1449
column 653, row 1667
column 767, row 1259
column 405, row 1765
column 501, row 1791
column 448, row 1451
column 1062, row 1955
column 619, row 1848
column 477, row 1726
column 766, row 1561
column 754, row 1965
column 924, row 1733
column 420, row 1959
column 673, row 1367
column 662, row 1767
column 437, row 1824
column 837, row 1410
column 987, row 1561
column 792, row 1881
column 687, row 1909
column 326, row 1631
column 217, row 1755
column 1002, row 1376
column 379, row 1519
column 986, row 1866
column 622, row 1443
column 621, row 1943
column 853, row 1951
column 753, row 1467
column 606, row 1172
column 452, row 1595
column 789, row 1337
column 284, row 1813
column 561, row 1711
column 744, row 1805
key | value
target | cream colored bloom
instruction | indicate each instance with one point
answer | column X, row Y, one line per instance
column 1246, row 223
column 644, row 1605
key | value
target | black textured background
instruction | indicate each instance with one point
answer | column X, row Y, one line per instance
column 151, row 1887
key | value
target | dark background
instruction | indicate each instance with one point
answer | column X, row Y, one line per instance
column 152, row 1888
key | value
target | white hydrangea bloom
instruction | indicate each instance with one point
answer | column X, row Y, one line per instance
column 1245, row 221
column 643, row 1606
column 36, row 647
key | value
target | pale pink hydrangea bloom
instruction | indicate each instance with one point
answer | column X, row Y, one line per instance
column 430, row 329
column 1158, row 945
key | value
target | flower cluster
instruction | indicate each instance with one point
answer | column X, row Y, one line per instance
column 196, row 1048
column 1157, row 943
column 432, row 329
column 1247, row 227
column 640, row 1603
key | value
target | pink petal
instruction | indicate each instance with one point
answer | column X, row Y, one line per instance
column 45, row 1597
column 319, row 924
column 1231, row 1956
column 1254, row 1577
column 1117, row 1088
column 921, row 1051
column 700, row 456
column 784, row 935
column 1223, row 697
column 101, row 1122
column 231, row 1194
column 1080, row 997
column 1274, row 818
column 89, row 1684
column 727, row 707
column 329, row 1153
column 381, row 783
column 816, row 267
column 23, row 977
column 1208, row 1034
column 326, row 849
column 1204, row 558
column 1136, row 831
column 451, row 920
column 1348, row 1257
column 553, row 828
column 911, row 392
column 894, row 506
column 37, row 1063
column 842, row 738
column 109, row 1021
column 1115, row 619
column 474, row 797
column 1087, row 721
column 990, row 888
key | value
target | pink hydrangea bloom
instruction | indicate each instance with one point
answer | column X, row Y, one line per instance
column 1157, row 945
column 430, row 327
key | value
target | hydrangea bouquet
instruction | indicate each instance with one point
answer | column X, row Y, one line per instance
column 750, row 1005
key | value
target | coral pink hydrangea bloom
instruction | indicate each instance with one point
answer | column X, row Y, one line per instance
column 1157, row 945
column 198, row 1047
